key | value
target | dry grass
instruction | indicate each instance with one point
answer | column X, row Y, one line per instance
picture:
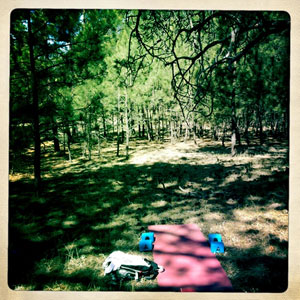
column 90, row 208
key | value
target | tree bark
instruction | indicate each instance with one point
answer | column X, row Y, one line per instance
column 126, row 124
column 259, row 90
column 246, row 134
column 99, row 143
column 69, row 142
column 55, row 137
column 172, row 134
column 35, row 107
column 234, row 128
column 118, row 124
column 89, row 142
column 146, row 117
column 104, row 123
column 224, row 134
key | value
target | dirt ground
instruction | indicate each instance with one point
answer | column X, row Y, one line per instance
column 89, row 208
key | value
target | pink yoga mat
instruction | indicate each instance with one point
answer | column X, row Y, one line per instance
column 189, row 264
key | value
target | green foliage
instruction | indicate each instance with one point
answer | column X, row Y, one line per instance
column 171, row 61
column 103, row 77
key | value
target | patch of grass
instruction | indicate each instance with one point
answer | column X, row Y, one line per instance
column 90, row 208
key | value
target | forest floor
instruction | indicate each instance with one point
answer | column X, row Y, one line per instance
column 89, row 208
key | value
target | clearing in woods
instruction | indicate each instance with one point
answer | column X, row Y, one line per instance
column 89, row 208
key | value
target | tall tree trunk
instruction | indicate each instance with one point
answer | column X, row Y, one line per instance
column 55, row 137
column 247, row 125
column 104, row 123
column 35, row 107
column 233, row 143
column 113, row 124
column 158, row 124
column 89, row 140
column 74, row 130
column 118, row 124
column 64, row 140
column 215, row 133
column 260, row 125
column 141, row 122
column 126, row 124
column 163, row 125
column 146, row 117
column 172, row 133
column 122, row 131
column 99, row 143
column 84, row 129
column 187, row 133
column 69, row 137
column 150, row 113
column 139, row 128
column 224, row 134
column 234, row 129
column 143, row 130
column 259, row 90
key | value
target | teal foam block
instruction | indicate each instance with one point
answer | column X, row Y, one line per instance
column 216, row 243
column 146, row 242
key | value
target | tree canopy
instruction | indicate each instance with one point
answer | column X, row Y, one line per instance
column 121, row 119
column 83, row 76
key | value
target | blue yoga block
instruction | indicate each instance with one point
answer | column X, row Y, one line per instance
column 146, row 245
column 148, row 236
column 216, row 244
column 146, row 242
column 217, row 247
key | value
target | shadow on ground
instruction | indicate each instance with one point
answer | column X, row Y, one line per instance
column 60, row 239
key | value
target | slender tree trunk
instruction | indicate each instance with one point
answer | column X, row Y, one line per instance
column 234, row 128
column 247, row 125
column 259, row 90
column 186, row 135
column 84, row 149
column 233, row 143
column 122, row 131
column 163, row 125
column 69, row 142
column 142, row 122
column 261, row 132
column 149, row 113
column 64, row 141
column 113, row 124
column 200, row 131
column 140, row 131
column 99, row 143
column 89, row 141
column 146, row 117
column 224, row 134
column 55, row 137
column 238, row 135
column 180, row 129
column 35, row 107
column 118, row 124
column 276, row 128
column 85, row 136
column 158, row 124
column 215, row 133
column 172, row 133
column 104, row 123
column 126, row 124
column 74, row 131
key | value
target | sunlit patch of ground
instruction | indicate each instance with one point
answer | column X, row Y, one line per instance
column 92, row 207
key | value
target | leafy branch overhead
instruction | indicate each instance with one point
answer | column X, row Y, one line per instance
column 195, row 43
